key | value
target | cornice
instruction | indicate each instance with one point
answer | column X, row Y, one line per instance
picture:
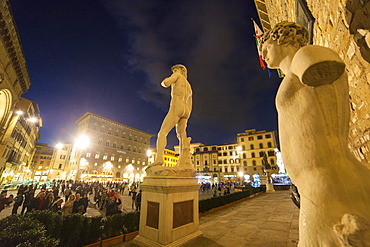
column 90, row 114
column 11, row 41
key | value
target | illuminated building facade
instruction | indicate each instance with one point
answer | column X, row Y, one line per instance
column 108, row 151
column 169, row 157
column 14, row 78
column 19, row 141
column 253, row 146
column 217, row 163
column 60, row 161
column 41, row 162
column 235, row 162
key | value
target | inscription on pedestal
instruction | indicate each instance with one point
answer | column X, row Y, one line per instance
column 152, row 216
column 182, row 213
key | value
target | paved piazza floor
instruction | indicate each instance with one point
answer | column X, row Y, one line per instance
column 266, row 220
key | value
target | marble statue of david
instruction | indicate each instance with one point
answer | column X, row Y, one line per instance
column 313, row 116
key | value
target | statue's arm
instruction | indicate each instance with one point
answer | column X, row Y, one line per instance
column 170, row 80
column 317, row 65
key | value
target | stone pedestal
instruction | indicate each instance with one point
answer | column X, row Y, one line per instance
column 169, row 213
column 269, row 186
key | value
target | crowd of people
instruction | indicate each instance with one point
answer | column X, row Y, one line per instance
column 68, row 197
column 217, row 188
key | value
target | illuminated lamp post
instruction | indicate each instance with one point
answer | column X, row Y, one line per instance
column 107, row 168
column 241, row 177
column 81, row 143
column 130, row 168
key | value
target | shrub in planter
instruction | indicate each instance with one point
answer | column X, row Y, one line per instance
column 113, row 225
column 51, row 221
column 23, row 231
column 131, row 222
column 94, row 229
column 73, row 230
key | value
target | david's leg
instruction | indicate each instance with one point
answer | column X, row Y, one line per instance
column 168, row 123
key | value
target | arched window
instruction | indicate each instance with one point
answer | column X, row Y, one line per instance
column 252, row 146
column 269, row 145
column 244, row 163
column 253, row 155
column 254, row 163
column 107, row 143
column 244, row 156
column 261, row 145
column 243, row 147
column 272, row 161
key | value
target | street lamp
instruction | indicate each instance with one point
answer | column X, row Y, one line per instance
column 32, row 120
column 241, row 176
column 81, row 143
column 130, row 168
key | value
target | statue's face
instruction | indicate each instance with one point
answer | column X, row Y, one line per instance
column 272, row 54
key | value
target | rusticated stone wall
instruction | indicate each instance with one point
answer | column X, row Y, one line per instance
column 343, row 26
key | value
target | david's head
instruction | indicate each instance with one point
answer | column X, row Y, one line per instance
column 181, row 68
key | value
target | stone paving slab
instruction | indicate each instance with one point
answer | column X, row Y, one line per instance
column 266, row 220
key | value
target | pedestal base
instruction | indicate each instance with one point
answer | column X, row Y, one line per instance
column 169, row 214
column 145, row 242
column 270, row 188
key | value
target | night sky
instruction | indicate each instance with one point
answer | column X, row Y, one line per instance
column 109, row 58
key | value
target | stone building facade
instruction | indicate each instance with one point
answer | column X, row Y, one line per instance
column 60, row 160
column 255, row 147
column 235, row 162
column 19, row 141
column 114, row 151
column 343, row 26
column 14, row 77
column 169, row 157
column 41, row 162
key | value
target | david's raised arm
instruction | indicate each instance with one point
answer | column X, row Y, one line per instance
column 170, row 80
